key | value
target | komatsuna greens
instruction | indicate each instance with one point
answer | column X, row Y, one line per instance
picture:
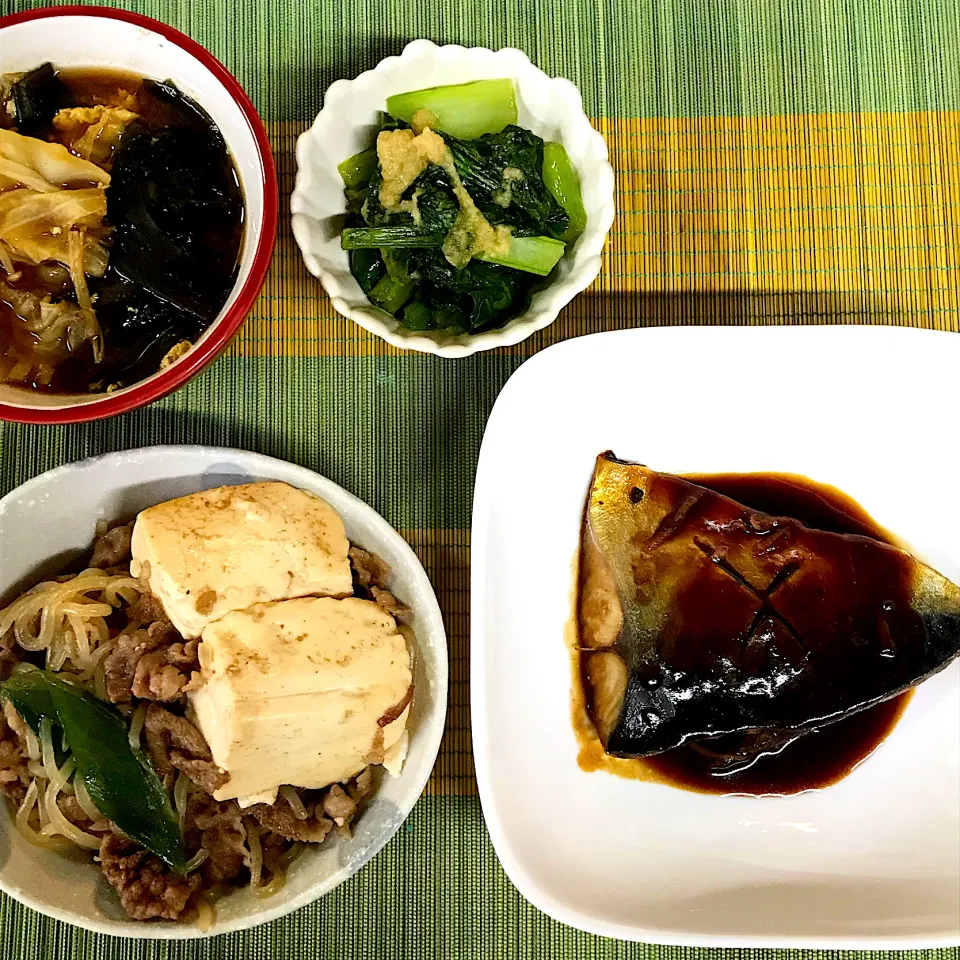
column 478, row 226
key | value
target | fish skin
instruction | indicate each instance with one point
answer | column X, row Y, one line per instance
column 820, row 648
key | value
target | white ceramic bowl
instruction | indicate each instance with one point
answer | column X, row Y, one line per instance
column 103, row 37
column 551, row 107
column 49, row 522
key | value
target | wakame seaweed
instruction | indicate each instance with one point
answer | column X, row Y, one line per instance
column 176, row 208
column 37, row 96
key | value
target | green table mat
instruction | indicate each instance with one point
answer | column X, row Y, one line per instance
column 777, row 162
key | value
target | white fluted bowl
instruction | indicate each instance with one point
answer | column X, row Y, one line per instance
column 551, row 107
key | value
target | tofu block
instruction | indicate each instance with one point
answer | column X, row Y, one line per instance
column 306, row 692
column 209, row 553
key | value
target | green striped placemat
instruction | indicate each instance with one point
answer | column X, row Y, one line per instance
column 776, row 162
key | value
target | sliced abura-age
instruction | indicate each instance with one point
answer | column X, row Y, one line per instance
column 699, row 616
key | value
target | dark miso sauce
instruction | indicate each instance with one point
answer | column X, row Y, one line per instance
column 819, row 758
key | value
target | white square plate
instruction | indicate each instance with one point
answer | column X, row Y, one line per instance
column 873, row 861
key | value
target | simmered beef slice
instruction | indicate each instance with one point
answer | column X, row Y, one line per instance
column 148, row 889
column 387, row 602
column 152, row 663
column 218, row 827
column 339, row 805
column 9, row 653
column 370, row 575
column 330, row 807
column 14, row 777
column 147, row 609
column 368, row 569
column 174, row 743
column 280, row 818
column 112, row 548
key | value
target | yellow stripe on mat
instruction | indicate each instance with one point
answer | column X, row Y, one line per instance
column 850, row 203
column 445, row 555
column 857, row 214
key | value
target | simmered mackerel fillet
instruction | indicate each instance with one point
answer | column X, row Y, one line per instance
column 699, row 616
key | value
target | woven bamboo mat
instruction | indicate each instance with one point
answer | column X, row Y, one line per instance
column 776, row 162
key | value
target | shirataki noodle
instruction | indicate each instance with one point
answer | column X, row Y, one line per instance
column 66, row 619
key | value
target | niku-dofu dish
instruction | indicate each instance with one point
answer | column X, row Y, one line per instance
column 456, row 214
column 217, row 688
column 745, row 646
column 120, row 227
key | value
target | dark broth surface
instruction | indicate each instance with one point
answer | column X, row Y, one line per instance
column 821, row 757
column 179, row 186
column 101, row 86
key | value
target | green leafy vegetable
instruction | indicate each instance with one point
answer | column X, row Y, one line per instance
column 367, row 266
column 537, row 255
column 391, row 295
column 417, row 316
column 398, row 255
column 563, row 182
column 397, row 265
column 122, row 784
column 436, row 202
column 463, row 110
column 503, row 172
column 357, row 170
column 389, row 238
column 472, row 299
